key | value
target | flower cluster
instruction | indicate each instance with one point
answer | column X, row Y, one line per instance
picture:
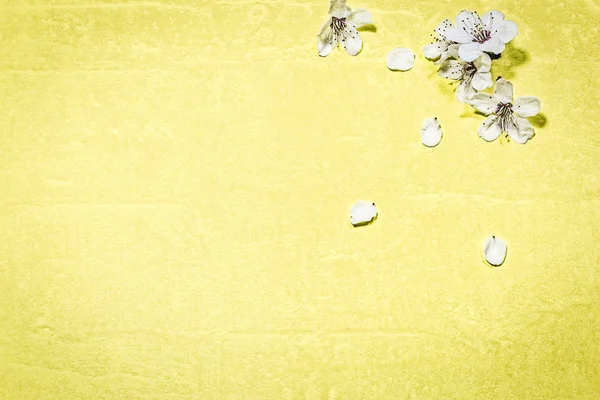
column 463, row 53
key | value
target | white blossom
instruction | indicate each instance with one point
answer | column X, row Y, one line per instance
column 341, row 29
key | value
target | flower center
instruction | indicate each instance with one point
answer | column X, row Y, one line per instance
column 474, row 27
column 469, row 71
column 338, row 25
column 504, row 111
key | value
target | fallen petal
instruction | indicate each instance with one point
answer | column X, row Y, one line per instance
column 400, row 59
column 431, row 132
column 494, row 250
column 362, row 213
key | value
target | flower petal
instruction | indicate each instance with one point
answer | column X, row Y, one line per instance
column 484, row 103
column 326, row 27
column 400, row 59
column 360, row 17
column 458, row 35
column 490, row 128
column 362, row 213
column 431, row 132
column 451, row 69
column 465, row 92
column 466, row 20
column 482, row 80
column 443, row 27
column 507, row 31
column 504, row 91
column 339, row 9
column 434, row 50
column 351, row 41
column 326, row 43
column 492, row 20
column 493, row 45
column 494, row 251
column 483, row 63
column 527, row 106
column 520, row 130
column 470, row 51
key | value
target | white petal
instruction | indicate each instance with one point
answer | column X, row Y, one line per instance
column 360, row 18
column 431, row 132
column 434, row 50
column 326, row 43
column 362, row 213
column 466, row 20
column 520, row 131
column 492, row 20
column 465, row 92
column 493, row 45
column 458, row 35
column 484, row 103
column 400, row 59
column 494, row 251
column 339, row 9
column 451, row 69
column 504, row 91
column 507, row 31
column 527, row 106
column 483, row 63
column 490, row 129
column 326, row 27
column 351, row 42
column 470, row 51
column 443, row 27
column 482, row 80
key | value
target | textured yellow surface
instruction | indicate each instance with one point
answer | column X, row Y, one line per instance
column 175, row 181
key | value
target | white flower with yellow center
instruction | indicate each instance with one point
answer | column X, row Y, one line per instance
column 341, row 28
column 504, row 115
column 473, row 76
column 476, row 35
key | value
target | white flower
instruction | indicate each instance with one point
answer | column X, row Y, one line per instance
column 504, row 116
column 431, row 132
column 473, row 76
column 341, row 27
column 441, row 49
column 400, row 59
column 494, row 251
column 362, row 213
column 477, row 35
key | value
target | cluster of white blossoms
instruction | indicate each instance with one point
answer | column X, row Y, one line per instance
column 463, row 53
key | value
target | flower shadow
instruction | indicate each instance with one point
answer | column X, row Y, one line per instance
column 367, row 28
column 539, row 121
column 511, row 57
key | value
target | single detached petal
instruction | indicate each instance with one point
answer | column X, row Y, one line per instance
column 326, row 43
column 493, row 45
column 492, row 20
column 484, row 103
column 483, row 63
column 458, row 35
column 362, row 213
column 482, row 80
column 520, row 130
column 400, row 59
column 507, row 31
column 434, row 51
column 490, row 129
column 494, row 251
column 451, row 69
column 351, row 42
column 527, row 106
column 465, row 92
column 431, row 132
column 470, row 51
column 504, row 91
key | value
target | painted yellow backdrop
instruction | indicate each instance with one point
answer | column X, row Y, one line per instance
column 175, row 180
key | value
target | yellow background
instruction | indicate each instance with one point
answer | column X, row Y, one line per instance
column 176, row 177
